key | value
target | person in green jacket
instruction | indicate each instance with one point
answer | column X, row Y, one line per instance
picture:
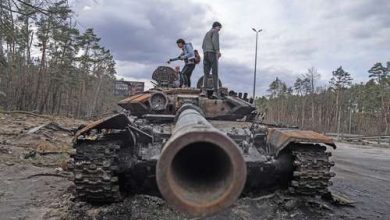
column 212, row 53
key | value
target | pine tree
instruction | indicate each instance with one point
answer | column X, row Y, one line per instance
column 340, row 81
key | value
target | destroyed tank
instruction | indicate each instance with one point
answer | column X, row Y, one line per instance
column 200, row 154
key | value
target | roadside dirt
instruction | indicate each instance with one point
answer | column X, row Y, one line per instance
column 34, row 183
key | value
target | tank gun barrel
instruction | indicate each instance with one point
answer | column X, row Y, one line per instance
column 201, row 170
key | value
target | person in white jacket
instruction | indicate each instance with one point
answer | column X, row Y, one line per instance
column 178, row 83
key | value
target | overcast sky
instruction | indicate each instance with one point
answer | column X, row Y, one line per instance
column 297, row 34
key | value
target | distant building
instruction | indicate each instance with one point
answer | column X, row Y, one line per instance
column 128, row 88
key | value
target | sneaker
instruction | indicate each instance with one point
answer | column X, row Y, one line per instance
column 215, row 95
column 203, row 94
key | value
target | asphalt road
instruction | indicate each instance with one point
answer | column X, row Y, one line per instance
column 363, row 175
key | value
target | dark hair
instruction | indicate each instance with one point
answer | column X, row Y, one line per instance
column 180, row 41
column 217, row 24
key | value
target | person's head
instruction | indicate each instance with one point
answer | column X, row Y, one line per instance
column 177, row 69
column 217, row 26
column 180, row 43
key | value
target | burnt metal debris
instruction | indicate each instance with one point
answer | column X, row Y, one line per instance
column 198, row 153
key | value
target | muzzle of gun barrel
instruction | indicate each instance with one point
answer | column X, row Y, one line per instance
column 201, row 170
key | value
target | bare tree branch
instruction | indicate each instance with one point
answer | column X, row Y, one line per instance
column 11, row 10
column 43, row 11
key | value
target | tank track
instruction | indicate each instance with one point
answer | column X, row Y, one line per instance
column 312, row 173
column 94, row 165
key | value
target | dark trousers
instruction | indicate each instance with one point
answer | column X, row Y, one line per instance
column 210, row 63
column 187, row 72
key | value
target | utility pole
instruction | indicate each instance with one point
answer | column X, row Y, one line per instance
column 350, row 121
column 254, row 75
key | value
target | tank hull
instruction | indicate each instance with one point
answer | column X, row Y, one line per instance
column 166, row 135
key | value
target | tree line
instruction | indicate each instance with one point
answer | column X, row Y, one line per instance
column 48, row 65
column 340, row 106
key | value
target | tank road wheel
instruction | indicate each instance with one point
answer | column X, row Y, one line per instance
column 312, row 173
column 95, row 166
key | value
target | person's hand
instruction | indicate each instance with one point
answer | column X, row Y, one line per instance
column 219, row 55
column 169, row 61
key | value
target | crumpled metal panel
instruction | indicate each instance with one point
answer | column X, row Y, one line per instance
column 137, row 104
column 139, row 98
column 278, row 139
column 118, row 121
